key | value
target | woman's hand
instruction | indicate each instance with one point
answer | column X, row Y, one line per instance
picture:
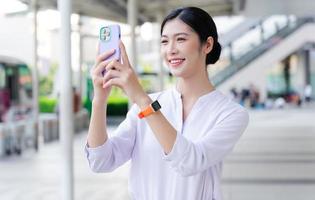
column 123, row 76
column 100, row 94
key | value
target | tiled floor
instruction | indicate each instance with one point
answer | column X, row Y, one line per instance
column 274, row 160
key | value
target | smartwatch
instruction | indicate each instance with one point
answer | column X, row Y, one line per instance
column 152, row 108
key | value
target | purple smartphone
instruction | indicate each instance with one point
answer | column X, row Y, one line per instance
column 109, row 39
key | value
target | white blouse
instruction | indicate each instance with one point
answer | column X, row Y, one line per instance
column 192, row 170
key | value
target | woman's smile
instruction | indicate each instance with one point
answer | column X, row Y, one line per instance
column 176, row 62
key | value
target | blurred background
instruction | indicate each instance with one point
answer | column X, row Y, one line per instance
column 267, row 65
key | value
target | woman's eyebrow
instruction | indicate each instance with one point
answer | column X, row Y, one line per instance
column 176, row 34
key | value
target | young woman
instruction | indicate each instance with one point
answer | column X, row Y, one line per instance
column 176, row 139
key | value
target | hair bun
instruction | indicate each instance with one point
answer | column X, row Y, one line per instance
column 214, row 54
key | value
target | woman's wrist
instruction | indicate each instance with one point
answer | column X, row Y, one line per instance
column 143, row 101
column 99, row 101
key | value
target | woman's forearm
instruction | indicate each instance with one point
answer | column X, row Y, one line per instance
column 162, row 129
column 97, row 134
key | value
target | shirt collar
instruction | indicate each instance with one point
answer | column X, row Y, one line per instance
column 202, row 98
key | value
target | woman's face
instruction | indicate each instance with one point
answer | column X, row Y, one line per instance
column 181, row 49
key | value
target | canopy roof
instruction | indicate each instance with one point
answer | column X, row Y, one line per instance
column 148, row 10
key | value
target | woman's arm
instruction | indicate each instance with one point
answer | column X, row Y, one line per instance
column 117, row 149
column 105, row 154
column 97, row 134
column 161, row 127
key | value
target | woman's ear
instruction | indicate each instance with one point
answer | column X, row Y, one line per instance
column 209, row 44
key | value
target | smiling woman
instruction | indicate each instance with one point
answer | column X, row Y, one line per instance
column 176, row 139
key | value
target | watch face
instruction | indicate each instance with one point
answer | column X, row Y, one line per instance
column 156, row 106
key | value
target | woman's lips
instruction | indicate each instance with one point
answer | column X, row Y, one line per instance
column 176, row 62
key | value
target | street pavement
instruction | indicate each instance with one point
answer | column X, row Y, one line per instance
column 274, row 160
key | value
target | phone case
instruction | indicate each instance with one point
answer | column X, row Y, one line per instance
column 109, row 39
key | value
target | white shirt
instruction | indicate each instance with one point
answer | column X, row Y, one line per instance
column 192, row 170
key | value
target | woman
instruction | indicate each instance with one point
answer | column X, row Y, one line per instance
column 176, row 139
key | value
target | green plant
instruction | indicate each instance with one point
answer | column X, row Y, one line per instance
column 47, row 105
column 46, row 82
column 117, row 103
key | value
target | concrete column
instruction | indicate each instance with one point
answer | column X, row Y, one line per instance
column 160, row 17
column 307, row 67
column 35, row 81
column 132, row 13
column 66, row 101
column 287, row 74
column 312, row 70
column 80, row 90
column 299, row 72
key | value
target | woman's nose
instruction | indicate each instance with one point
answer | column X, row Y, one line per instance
column 172, row 48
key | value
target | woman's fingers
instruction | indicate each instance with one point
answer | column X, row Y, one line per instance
column 114, row 65
column 112, row 82
column 111, row 74
column 100, row 67
column 103, row 56
column 97, row 80
column 124, row 55
column 106, row 66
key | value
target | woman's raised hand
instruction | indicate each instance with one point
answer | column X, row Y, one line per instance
column 123, row 76
column 97, row 71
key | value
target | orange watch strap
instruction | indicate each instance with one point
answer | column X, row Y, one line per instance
column 153, row 107
column 149, row 110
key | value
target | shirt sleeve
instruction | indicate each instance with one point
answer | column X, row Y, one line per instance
column 189, row 158
column 117, row 149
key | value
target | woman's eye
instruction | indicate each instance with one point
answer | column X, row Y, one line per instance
column 181, row 39
column 163, row 41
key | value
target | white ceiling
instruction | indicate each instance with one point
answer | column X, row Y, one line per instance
column 116, row 10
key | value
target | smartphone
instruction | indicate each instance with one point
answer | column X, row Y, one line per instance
column 109, row 37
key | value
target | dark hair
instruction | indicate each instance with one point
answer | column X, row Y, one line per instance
column 202, row 23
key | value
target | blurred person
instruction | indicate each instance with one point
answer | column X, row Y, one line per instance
column 76, row 100
column 253, row 96
column 244, row 97
column 269, row 103
column 279, row 103
column 234, row 94
column 176, row 139
column 26, row 102
column 308, row 93
column 295, row 99
column 4, row 103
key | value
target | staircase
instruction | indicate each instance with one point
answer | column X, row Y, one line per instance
column 243, row 60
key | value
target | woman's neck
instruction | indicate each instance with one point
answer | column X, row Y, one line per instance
column 194, row 87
